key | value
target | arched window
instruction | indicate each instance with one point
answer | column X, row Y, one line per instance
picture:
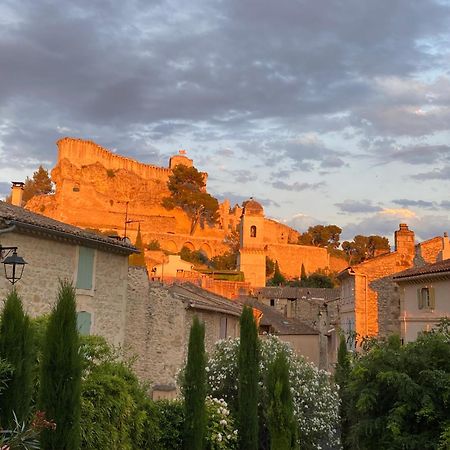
column 253, row 231
column 84, row 322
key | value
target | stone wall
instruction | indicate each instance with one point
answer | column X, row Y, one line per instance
column 158, row 325
column 50, row 261
column 429, row 250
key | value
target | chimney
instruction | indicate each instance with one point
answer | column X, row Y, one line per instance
column 445, row 252
column 17, row 193
column 404, row 240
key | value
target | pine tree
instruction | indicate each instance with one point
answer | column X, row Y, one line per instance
column 138, row 259
column 280, row 414
column 60, row 384
column 195, row 389
column 248, row 365
column 16, row 349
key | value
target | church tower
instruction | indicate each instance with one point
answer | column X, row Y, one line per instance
column 252, row 256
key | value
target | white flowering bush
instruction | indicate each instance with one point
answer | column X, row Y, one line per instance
column 221, row 434
column 316, row 399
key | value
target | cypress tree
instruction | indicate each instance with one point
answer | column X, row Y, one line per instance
column 341, row 376
column 303, row 277
column 16, row 348
column 138, row 259
column 278, row 278
column 195, row 389
column 248, row 365
column 280, row 413
column 60, row 386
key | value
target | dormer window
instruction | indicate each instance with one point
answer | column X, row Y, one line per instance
column 253, row 231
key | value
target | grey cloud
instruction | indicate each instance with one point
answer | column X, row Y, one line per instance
column 436, row 174
column 355, row 206
column 237, row 199
column 418, row 203
column 297, row 187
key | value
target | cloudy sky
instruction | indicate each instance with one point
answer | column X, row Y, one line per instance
column 327, row 111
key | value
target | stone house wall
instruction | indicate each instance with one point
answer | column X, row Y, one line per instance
column 50, row 261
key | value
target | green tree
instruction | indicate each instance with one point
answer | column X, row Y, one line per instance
column 270, row 266
column 364, row 247
column 187, row 191
column 60, row 382
column 227, row 261
column 194, row 389
column 341, row 377
column 322, row 236
column 281, row 422
column 398, row 395
column 303, row 275
column 17, row 350
column 138, row 259
column 317, row 280
column 248, row 393
column 278, row 279
column 196, row 257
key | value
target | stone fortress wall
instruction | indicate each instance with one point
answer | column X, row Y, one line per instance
column 95, row 187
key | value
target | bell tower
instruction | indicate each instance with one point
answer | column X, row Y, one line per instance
column 252, row 256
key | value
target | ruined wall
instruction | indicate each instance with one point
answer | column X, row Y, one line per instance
column 80, row 152
column 291, row 257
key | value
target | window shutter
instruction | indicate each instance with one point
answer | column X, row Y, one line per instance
column 223, row 328
column 419, row 298
column 84, row 323
column 85, row 268
column 432, row 298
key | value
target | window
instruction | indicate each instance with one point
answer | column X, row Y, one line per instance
column 223, row 328
column 84, row 322
column 272, row 302
column 425, row 297
column 253, row 231
column 85, row 272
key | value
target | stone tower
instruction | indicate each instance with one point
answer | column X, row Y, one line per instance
column 252, row 255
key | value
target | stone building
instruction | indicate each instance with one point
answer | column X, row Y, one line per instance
column 97, row 266
column 159, row 318
column 369, row 303
column 424, row 295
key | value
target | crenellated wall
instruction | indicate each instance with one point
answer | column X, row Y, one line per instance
column 81, row 153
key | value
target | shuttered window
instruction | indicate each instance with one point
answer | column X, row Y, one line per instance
column 426, row 298
column 85, row 272
column 84, row 322
column 223, row 328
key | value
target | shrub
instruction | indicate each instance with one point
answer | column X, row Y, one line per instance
column 315, row 396
column 220, row 430
column 154, row 245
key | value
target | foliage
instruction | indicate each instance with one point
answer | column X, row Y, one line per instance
column 16, row 348
column 248, row 372
column 138, row 259
column 280, row 408
column 60, row 381
column 115, row 409
column 226, row 261
column 6, row 371
column 23, row 437
column 196, row 257
column 153, row 245
column 278, row 279
column 322, row 236
column 39, row 184
column 194, row 389
column 270, row 266
column 315, row 396
column 364, row 247
column 187, row 191
column 399, row 395
column 317, row 280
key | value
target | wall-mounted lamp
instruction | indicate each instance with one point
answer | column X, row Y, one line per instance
column 14, row 264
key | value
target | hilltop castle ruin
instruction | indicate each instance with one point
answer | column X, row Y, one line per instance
column 98, row 189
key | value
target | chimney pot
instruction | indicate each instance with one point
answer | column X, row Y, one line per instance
column 17, row 192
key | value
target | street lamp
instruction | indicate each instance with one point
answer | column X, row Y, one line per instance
column 14, row 264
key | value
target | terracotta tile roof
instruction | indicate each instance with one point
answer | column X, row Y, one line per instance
column 199, row 298
column 324, row 294
column 427, row 269
column 281, row 324
column 29, row 222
